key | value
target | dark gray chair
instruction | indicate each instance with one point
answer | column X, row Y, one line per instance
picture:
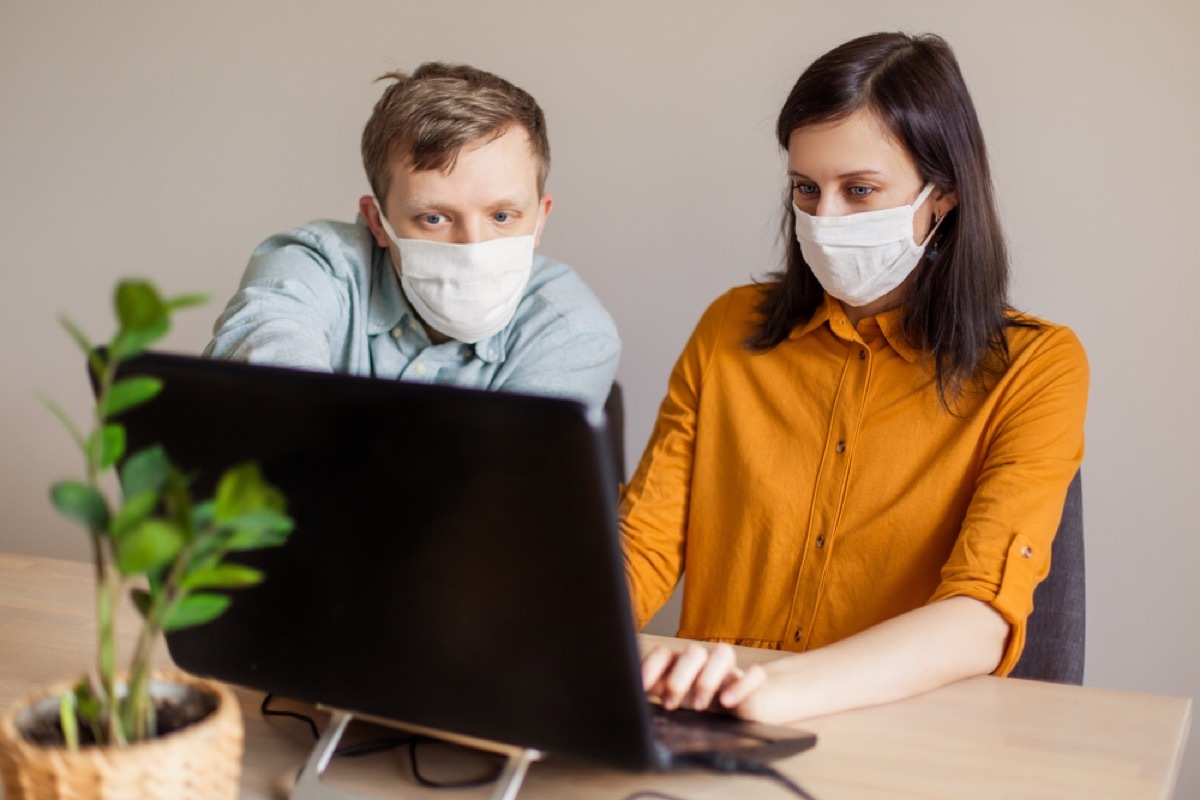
column 1054, row 635
column 614, row 413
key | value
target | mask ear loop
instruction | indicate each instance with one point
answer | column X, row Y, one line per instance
column 387, row 226
column 934, row 239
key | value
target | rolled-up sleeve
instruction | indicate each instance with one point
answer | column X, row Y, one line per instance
column 1034, row 445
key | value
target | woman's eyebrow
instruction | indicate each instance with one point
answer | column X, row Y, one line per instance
column 858, row 173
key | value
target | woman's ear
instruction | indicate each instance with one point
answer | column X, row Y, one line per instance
column 943, row 202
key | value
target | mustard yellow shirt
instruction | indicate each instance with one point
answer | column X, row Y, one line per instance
column 817, row 489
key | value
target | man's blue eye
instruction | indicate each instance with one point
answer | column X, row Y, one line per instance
column 432, row 219
column 502, row 216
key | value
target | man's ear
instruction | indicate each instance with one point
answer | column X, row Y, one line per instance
column 544, row 206
column 366, row 207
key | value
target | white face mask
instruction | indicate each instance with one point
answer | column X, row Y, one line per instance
column 466, row 291
column 858, row 258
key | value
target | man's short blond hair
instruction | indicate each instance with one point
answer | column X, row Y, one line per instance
column 426, row 118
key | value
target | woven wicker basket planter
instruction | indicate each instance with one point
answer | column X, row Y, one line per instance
column 201, row 761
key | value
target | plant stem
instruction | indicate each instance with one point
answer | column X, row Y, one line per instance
column 107, row 586
column 142, row 710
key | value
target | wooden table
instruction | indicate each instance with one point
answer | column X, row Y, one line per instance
column 980, row 738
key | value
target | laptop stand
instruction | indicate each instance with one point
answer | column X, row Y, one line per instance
column 308, row 782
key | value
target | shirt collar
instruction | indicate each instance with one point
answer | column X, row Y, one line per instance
column 890, row 323
column 390, row 309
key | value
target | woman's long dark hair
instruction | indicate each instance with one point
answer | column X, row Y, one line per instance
column 955, row 307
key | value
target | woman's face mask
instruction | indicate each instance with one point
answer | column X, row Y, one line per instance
column 859, row 258
column 465, row 291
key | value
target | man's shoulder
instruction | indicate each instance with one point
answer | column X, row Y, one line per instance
column 338, row 247
column 557, row 291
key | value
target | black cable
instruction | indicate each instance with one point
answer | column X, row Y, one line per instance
column 470, row 783
column 745, row 766
column 770, row 772
column 381, row 744
column 369, row 747
column 271, row 712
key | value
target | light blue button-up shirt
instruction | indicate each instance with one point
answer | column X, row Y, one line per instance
column 325, row 297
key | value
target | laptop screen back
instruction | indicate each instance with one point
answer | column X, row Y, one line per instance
column 454, row 564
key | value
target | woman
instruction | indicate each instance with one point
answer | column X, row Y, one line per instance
column 864, row 462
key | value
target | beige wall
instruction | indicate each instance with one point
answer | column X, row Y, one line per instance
column 166, row 139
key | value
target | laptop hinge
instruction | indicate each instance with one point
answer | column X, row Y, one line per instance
column 310, row 787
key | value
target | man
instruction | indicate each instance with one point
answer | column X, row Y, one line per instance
column 437, row 280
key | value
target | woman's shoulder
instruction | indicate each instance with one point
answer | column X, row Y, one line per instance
column 1032, row 337
column 736, row 312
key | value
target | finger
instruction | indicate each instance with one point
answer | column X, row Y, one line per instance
column 655, row 664
column 678, row 682
column 750, row 682
column 720, row 668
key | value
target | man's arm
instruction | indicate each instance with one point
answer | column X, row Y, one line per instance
column 297, row 299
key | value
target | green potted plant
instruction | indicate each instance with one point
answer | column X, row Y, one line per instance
column 137, row 734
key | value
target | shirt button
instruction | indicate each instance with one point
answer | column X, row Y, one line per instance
column 821, row 540
column 799, row 633
column 396, row 332
column 419, row 369
column 840, row 447
column 412, row 323
column 1026, row 552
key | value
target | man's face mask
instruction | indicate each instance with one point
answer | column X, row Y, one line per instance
column 466, row 291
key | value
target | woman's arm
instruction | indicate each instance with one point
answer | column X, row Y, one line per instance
column 917, row 651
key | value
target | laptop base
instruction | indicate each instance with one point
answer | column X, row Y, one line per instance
column 308, row 782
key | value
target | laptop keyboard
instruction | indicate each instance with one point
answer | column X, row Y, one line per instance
column 684, row 731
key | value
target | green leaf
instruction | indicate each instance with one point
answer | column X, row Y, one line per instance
column 225, row 576
column 255, row 540
column 66, row 718
column 185, row 300
column 127, row 344
column 145, row 470
column 107, row 445
column 95, row 359
column 178, row 497
column 242, row 490
column 196, row 609
column 203, row 514
column 142, row 601
column 142, row 315
column 147, row 547
column 135, row 509
column 65, row 420
column 139, row 306
column 264, row 519
column 129, row 393
column 80, row 502
column 90, row 707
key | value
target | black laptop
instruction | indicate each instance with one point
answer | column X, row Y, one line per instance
column 455, row 563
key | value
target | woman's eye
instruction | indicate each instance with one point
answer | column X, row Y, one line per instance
column 860, row 191
column 804, row 189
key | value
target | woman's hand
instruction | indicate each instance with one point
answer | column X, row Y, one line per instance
column 700, row 677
